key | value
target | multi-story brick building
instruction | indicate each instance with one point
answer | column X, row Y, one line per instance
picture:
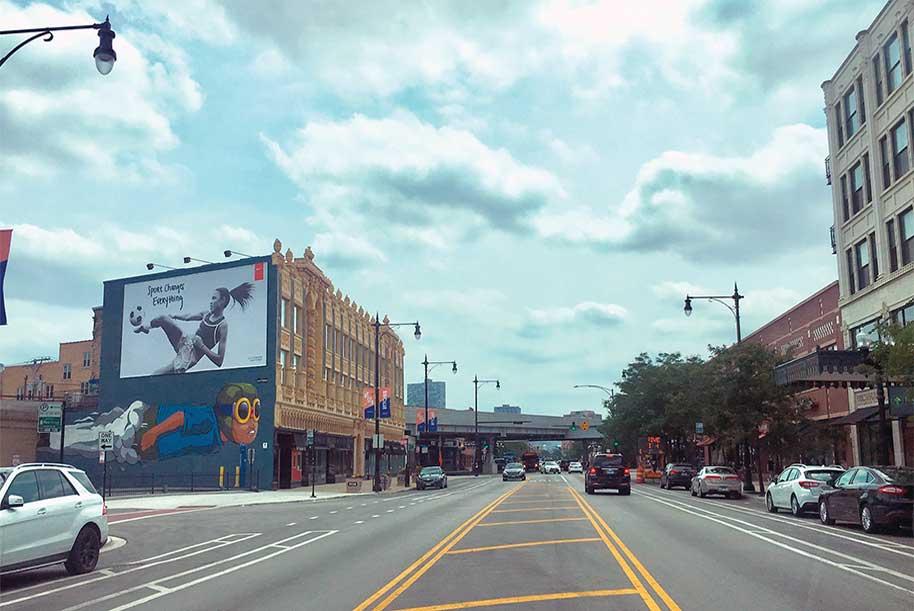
column 814, row 324
column 869, row 104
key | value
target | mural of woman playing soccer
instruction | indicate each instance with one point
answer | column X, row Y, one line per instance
column 211, row 336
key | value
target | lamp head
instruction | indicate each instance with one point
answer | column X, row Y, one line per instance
column 497, row 384
column 150, row 266
column 418, row 332
column 454, row 368
column 863, row 339
column 227, row 253
column 187, row 259
column 688, row 306
column 104, row 53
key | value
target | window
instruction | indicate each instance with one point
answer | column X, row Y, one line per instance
column 52, row 484
column 863, row 264
column 907, row 47
column 900, row 149
column 84, row 388
column 87, row 359
column 84, row 481
column 870, row 329
column 844, row 203
column 892, row 53
column 863, row 477
column 26, row 486
column 874, row 258
column 856, row 188
column 839, row 123
column 861, row 97
column 283, row 359
column 877, row 73
column 866, row 177
column 295, row 362
column 296, row 319
column 886, row 169
column 906, row 228
column 850, row 271
column 845, row 479
column 284, row 313
column 893, row 247
column 851, row 117
column 67, row 371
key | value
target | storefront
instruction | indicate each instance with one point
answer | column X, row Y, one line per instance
column 331, row 455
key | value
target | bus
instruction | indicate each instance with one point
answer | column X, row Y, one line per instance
column 531, row 461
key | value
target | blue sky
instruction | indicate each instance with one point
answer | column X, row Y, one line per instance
column 539, row 183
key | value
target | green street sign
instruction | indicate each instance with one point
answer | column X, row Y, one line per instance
column 49, row 417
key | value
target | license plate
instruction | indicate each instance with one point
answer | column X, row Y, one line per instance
column 609, row 471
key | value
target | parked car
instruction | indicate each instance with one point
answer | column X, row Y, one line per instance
column 50, row 513
column 575, row 467
column 798, row 488
column 717, row 480
column 873, row 497
column 550, row 466
column 677, row 474
column 514, row 470
column 431, row 477
column 608, row 471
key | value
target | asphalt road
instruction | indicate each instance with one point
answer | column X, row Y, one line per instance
column 484, row 543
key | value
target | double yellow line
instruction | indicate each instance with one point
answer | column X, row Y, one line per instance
column 413, row 572
column 614, row 546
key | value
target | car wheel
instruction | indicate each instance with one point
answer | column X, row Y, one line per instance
column 824, row 517
column 692, row 490
column 588, row 489
column 769, row 504
column 701, row 492
column 84, row 553
column 625, row 491
column 866, row 520
column 662, row 486
column 795, row 508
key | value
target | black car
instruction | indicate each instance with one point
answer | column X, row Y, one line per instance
column 677, row 474
column 431, row 477
column 607, row 471
column 563, row 464
column 870, row 496
column 514, row 470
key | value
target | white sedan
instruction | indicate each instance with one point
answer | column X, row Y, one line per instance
column 575, row 467
column 717, row 480
column 551, row 467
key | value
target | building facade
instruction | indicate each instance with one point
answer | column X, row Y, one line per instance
column 869, row 104
column 437, row 395
column 504, row 408
column 814, row 324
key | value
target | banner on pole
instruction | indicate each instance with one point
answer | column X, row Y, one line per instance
column 368, row 402
column 432, row 420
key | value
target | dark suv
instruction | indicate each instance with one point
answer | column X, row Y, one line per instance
column 677, row 474
column 607, row 471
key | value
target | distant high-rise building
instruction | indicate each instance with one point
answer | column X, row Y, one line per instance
column 507, row 409
column 415, row 394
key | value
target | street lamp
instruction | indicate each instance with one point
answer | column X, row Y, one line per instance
column 151, row 266
column 229, row 253
column 104, row 54
column 377, row 389
column 433, row 364
column 608, row 390
column 189, row 259
column 476, row 384
column 734, row 309
column 863, row 344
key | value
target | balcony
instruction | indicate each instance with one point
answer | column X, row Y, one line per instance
column 824, row 368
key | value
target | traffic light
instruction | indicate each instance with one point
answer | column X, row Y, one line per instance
column 615, row 443
column 573, row 426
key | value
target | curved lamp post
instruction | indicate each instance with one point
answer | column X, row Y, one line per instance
column 608, row 390
column 476, row 384
column 104, row 53
column 429, row 365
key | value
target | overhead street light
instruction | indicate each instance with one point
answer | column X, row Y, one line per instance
column 229, row 253
column 151, row 266
column 189, row 259
column 734, row 309
column 429, row 365
column 476, row 384
column 104, row 53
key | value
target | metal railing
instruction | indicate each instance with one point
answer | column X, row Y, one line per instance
column 166, row 483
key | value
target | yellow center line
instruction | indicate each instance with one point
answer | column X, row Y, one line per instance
column 533, row 521
column 471, row 550
column 535, row 509
column 537, row 501
column 514, row 600
column 639, row 587
column 667, row 599
column 480, row 514
column 419, row 572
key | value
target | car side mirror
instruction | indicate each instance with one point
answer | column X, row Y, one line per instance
column 13, row 501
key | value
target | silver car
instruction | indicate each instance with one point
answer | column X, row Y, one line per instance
column 798, row 488
column 717, row 480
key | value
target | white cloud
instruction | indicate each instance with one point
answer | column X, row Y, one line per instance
column 671, row 289
column 481, row 303
column 341, row 250
column 586, row 311
column 34, row 328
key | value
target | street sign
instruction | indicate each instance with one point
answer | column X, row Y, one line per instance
column 585, row 425
column 699, row 428
column 49, row 417
column 310, row 437
column 105, row 441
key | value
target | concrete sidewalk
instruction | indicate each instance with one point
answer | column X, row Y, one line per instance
column 232, row 498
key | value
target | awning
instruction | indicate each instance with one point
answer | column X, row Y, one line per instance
column 856, row 417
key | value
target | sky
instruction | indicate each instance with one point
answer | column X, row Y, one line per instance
column 538, row 183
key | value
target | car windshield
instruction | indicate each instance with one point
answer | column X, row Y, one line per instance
column 612, row 460
column 898, row 475
column 683, row 467
column 431, row 471
column 514, row 465
column 720, row 470
column 824, row 475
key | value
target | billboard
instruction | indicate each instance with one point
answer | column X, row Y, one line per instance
column 201, row 321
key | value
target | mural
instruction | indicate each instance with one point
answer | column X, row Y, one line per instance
column 144, row 432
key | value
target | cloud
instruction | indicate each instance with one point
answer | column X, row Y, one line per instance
column 57, row 113
column 677, row 290
column 483, row 304
column 710, row 207
column 589, row 312
column 343, row 251
column 35, row 328
column 412, row 174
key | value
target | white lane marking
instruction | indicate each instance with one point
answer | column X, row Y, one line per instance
column 333, row 512
column 798, row 523
column 291, row 524
column 390, row 510
column 375, row 516
column 401, row 507
column 313, row 517
column 156, row 515
column 144, row 564
column 858, row 561
column 348, row 508
column 359, row 522
column 164, row 591
column 364, row 504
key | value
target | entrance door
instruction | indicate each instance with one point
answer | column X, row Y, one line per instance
column 284, row 442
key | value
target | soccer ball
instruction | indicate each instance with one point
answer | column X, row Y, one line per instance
column 136, row 316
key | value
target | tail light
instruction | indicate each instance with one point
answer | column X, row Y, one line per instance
column 809, row 485
column 731, row 477
column 593, row 470
column 893, row 490
column 627, row 471
column 712, row 477
column 674, row 472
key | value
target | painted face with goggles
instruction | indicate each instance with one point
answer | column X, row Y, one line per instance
column 238, row 407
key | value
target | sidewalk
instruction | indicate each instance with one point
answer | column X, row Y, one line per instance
column 230, row 498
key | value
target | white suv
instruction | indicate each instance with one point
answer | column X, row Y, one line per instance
column 50, row 513
column 798, row 488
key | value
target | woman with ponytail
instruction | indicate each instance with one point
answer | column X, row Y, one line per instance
column 211, row 336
